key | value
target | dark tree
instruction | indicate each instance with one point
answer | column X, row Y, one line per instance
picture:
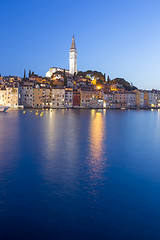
column 65, row 78
column 126, row 85
column 87, row 82
column 30, row 74
column 74, row 76
column 104, row 77
column 51, row 83
column 108, row 81
column 24, row 77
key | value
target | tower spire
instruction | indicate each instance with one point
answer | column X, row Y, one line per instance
column 73, row 46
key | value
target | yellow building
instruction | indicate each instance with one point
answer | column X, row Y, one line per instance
column 139, row 98
column 37, row 98
column 91, row 98
column 9, row 96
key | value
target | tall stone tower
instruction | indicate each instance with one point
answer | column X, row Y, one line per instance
column 73, row 58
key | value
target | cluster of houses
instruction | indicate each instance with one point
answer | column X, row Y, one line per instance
column 63, row 88
column 37, row 92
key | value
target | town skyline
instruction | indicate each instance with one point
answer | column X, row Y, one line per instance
column 116, row 40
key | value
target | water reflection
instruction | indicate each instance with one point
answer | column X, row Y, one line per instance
column 61, row 147
column 158, row 117
column 9, row 152
column 96, row 148
column 73, row 150
column 9, row 138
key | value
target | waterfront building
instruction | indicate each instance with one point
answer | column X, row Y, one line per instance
column 131, row 99
column 76, row 99
column 26, row 93
column 120, row 99
column 158, row 98
column 10, row 96
column 115, row 99
column 3, row 96
column 140, row 103
column 91, row 98
column 69, row 97
column 146, row 98
column 151, row 98
column 37, row 99
column 58, row 98
column 108, row 97
column 46, row 97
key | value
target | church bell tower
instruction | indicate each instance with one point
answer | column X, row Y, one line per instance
column 73, row 58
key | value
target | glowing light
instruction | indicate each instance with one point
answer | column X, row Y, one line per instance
column 104, row 104
column 98, row 87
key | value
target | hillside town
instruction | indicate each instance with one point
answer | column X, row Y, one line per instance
column 62, row 88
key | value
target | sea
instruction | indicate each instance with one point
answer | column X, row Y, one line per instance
column 80, row 174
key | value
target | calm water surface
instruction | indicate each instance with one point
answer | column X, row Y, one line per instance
column 80, row 174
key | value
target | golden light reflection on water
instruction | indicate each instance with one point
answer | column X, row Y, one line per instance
column 96, row 149
column 50, row 130
column 61, row 146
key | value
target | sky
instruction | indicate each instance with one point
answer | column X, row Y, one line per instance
column 120, row 37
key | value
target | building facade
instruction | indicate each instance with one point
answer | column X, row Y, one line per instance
column 26, row 93
column 91, row 99
column 10, row 96
column 58, row 98
column 69, row 97
column 140, row 103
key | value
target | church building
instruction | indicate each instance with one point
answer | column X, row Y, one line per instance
column 72, row 62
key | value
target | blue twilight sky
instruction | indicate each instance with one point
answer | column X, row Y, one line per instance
column 118, row 37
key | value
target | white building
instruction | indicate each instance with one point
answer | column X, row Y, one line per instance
column 131, row 99
column 73, row 58
column 54, row 70
column 26, row 93
column 72, row 63
column 153, row 98
column 108, row 98
column 9, row 96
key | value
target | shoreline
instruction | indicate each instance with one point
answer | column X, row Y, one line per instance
column 50, row 109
